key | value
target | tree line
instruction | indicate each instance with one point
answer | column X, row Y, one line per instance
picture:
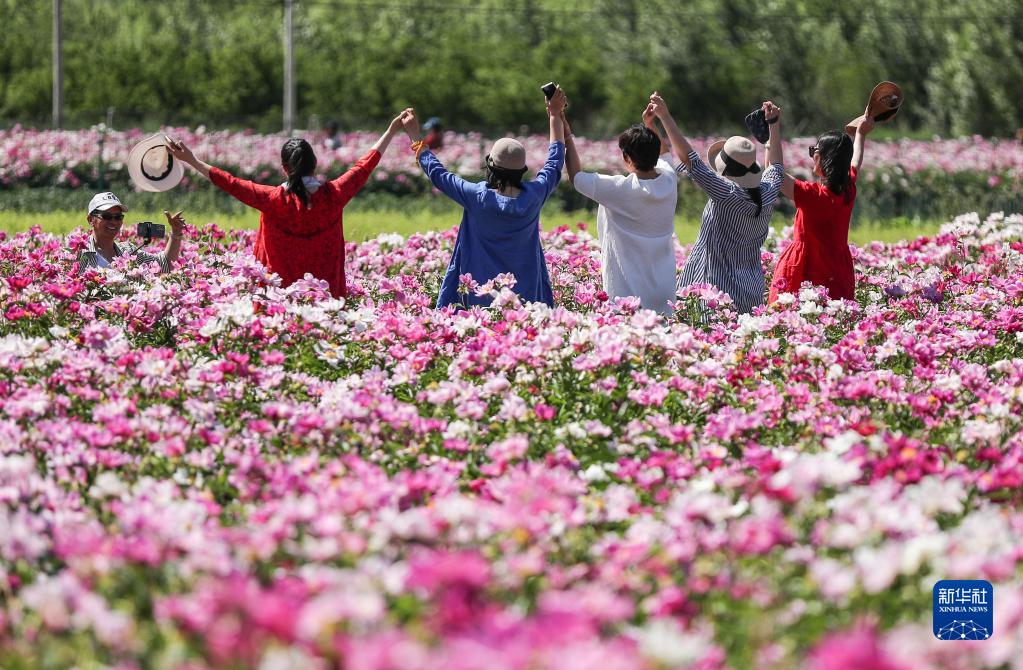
column 478, row 64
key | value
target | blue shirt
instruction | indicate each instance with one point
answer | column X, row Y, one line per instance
column 498, row 233
column 727, row 250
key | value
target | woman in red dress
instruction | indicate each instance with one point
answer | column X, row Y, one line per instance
column 300, row 229
column 819, row 252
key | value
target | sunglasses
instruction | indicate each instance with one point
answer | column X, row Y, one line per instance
column 814, row 149
column 107, row 216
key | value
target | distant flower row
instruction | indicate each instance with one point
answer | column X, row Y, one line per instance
column 40, row 158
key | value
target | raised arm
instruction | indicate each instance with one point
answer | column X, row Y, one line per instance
column 650, row 121
column 396, row 124
column 774, row 154
column 185, row 155
column 248, row 192
column 679, row 143
column 772, row 114
column 572, row 163
column 860, row 140
column 556, row 110
column 352, row 181
column 449, row 184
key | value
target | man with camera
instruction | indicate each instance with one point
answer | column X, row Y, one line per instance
column 106, row 216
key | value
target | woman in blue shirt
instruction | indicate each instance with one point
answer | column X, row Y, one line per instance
column 500, row 229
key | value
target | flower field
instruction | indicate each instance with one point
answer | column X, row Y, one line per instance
column 206, row 470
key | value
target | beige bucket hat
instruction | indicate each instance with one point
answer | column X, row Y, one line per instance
column 735, row 159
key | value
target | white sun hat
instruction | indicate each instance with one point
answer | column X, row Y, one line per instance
column 151, row 166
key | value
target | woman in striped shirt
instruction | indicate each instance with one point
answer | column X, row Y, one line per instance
column 735, row 220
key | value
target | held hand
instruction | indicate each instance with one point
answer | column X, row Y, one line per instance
column 658, row 106
column 867, row 125
column 176, row 222
column 649, row 116
column 411, row 123
column 771, row 111
column 556, row 105
column 397, row 123
column 180, row 151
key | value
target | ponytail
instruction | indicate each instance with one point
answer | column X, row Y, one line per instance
column 299, row 161
column 754, row 194
column 836, row 151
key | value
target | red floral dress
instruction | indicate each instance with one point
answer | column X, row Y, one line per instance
column 819, row 252
column 294, row 239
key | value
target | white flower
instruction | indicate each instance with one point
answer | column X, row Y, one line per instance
column 108, row 485
column 330, row 353
column 663, row 641
column 288, row 658
column 390, row 239
column 212, row 327
column 807, row 295
column 457, row 428
column 809, row 307
column 843, row 442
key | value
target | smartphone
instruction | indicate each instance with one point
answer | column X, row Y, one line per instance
column 149, row 229
column 549, row 89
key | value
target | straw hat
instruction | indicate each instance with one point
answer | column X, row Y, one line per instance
column 151, row 166
column 735, row 159
column 885, row 102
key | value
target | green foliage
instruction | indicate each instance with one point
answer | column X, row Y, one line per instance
column 478, row 64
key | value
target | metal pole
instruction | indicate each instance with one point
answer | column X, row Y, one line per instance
column 58, row 68
column 289, row 67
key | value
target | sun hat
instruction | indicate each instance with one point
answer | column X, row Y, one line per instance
column 508, row 154
column 101, row 202
column 735, row 159
column 885, row 102
column 152, row 167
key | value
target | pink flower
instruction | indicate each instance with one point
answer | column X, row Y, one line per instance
column 544, row 412
column 855, row 649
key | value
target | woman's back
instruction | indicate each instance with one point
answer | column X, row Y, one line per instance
column 498, row 233
column 295, row 239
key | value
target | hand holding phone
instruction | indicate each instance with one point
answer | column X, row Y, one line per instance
column 150, row 230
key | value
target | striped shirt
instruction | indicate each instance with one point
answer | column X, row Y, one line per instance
column 727, row 250
column 89, row 257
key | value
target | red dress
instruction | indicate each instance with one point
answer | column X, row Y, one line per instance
column 819, row 252
column 294, row 239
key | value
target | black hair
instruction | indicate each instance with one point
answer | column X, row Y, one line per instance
column 299, row 161
column 499, row 178
column 836, row 151
column 640, row 145
column 754, row 195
